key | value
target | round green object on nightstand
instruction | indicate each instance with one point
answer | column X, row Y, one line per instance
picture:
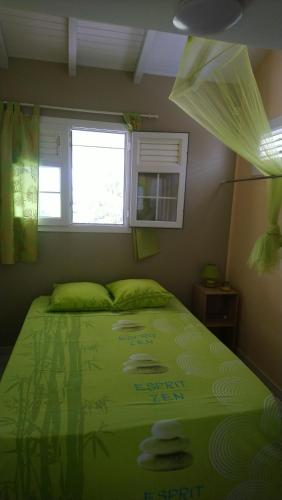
column 210, row 275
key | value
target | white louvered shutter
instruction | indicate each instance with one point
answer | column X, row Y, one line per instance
column 52, row 157
column 271, row 145
column 50, row 150
column 158, row 179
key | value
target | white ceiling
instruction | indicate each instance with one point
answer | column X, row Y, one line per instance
column 80, row 42
column 260, row 25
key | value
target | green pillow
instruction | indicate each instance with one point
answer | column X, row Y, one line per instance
column 80, row 297
column 137, row 294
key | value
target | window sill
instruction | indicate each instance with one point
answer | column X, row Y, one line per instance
column 84, row 228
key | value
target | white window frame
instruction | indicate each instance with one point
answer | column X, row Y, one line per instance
column 64, row 126
column 179, row 168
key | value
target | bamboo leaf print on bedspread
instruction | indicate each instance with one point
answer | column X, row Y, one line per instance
column 133, row 406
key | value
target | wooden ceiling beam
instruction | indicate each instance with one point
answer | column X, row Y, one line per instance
column 72, row 45
column 144, row 54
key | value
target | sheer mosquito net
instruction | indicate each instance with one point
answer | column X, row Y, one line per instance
column 215, row 85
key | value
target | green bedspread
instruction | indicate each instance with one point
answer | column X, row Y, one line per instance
column 133, row 406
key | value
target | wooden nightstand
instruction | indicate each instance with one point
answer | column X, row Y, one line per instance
column 218, row 310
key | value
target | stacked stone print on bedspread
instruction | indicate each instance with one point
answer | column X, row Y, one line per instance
column 139, row 405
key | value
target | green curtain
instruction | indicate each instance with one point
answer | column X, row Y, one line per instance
column 19, row 137
column 145, row 240
column 215, row 85
column 133, row 121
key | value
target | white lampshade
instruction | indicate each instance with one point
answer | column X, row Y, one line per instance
column 201, row 17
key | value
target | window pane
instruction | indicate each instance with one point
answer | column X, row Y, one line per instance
column 167, row 210
column 49, row 179
column 146, row 209
column 271, row 145
column 147, row 185
column 168, row 185
column 98, row 182
column 49, row 205
column 98, row 139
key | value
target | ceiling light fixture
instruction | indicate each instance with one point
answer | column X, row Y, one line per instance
column 201, row 17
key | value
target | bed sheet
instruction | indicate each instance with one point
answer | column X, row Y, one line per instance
column 140, row 405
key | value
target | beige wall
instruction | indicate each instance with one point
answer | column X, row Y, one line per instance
column 105, row 257
column 260, row 335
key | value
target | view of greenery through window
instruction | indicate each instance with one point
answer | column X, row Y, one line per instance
column 97, row 177
column 97, row 180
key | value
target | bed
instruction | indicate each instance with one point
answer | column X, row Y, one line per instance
column 140, row 405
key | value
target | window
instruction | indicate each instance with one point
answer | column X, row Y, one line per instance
column 50, row 173
column 158, row 179
column 98, row 177
column 84, row 177
column 271, row 144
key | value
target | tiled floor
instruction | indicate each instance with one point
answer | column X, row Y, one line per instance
column 4, row 356
column 3, row 360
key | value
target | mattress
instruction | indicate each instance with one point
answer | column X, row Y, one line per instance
column 140, row 405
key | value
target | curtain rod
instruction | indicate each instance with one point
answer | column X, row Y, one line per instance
column 256, row 178
column 91, row 111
